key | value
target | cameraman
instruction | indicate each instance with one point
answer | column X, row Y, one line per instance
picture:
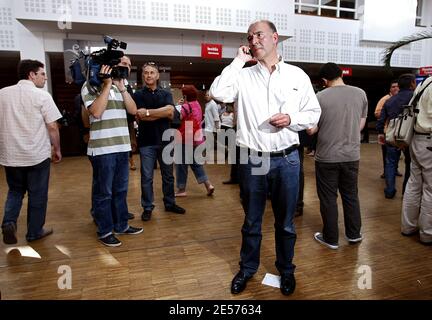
column 108, row 149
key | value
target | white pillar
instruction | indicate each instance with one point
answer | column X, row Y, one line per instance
column 31, row 46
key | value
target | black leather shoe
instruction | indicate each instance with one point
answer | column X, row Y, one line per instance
column 238, row 283
column 131, row 216
column 176, row 209
column 45, row 232
column 287, row 284
column 299, row 212
column 9, row 233
column 146, row 215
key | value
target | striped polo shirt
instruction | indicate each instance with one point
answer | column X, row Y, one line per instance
column 110, row 133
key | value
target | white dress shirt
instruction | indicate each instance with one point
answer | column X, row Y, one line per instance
column 260, row 95
column 25, row 110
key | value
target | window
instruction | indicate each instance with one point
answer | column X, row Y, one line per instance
column 419, row 14
column 327, row 8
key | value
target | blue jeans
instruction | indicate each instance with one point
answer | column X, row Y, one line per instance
column 392, row 161
column 148, row 156
column 283, row 179
column 182, row 170
column 110, row 186
column 34, row 180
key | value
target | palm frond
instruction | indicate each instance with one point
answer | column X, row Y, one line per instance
column 404, row 41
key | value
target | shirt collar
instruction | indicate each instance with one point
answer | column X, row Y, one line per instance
column 277, row 65
column 27, row 83
column 150, row 90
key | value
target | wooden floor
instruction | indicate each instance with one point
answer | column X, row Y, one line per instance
column 194, row 256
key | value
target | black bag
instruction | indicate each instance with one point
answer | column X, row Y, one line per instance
column 176, row 120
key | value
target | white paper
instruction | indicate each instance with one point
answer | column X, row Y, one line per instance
column 271, row 280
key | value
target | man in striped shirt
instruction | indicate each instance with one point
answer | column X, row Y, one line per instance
column 108, row 150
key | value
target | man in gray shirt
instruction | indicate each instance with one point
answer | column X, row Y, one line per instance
column 344, row 112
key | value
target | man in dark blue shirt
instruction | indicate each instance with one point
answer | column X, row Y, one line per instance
column 391, row 110
column 155, row 109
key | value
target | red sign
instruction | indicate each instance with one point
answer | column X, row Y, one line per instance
column 425, row 71
column 347, row 72
column 211, row 51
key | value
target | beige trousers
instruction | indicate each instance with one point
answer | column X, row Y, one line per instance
column 417, row 200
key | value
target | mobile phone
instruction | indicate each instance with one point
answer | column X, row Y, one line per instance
column 251, row 53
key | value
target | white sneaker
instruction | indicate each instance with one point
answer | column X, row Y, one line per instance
column 318, row 236
column 355, row 240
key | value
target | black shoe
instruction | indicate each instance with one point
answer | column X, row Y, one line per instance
column 146, row 215
column 9, row 233
column 382, row 176
column 390, row 196
column 287, row 284
column 398, row 174
column 131, row 230
column 238, row 283
column 299, row 212
column 110, row 241
column 45, row 232
column 426, row 243
column 410, row 234
column 131, row 216
column 230, row 182
column 176, row 209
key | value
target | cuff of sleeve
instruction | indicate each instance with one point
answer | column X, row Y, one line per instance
column 294, row 120
column 238, row 63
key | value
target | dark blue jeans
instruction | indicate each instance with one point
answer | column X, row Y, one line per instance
column 182, row 169
column 283, row 179
column 110, row 185
column 392, row 161
column 148, row 156
column 34, row 180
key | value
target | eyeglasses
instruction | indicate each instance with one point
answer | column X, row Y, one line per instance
column 150, row 64
column 260, row 35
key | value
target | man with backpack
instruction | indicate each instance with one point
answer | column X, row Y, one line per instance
column 392, row 108
column 417, row 201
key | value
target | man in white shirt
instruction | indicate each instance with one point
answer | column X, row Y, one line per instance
column 211, row 115
column 274, row 101
column 28, row 129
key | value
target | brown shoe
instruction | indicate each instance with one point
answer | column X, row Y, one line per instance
column 45, row 232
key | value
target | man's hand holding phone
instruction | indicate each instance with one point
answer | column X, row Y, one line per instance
column 245, row 54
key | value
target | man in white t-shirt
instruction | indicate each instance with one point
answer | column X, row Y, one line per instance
column 212, row 121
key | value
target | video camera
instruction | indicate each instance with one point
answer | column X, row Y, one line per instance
column 109, row 57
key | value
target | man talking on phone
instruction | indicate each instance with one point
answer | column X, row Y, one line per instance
column 274, row 100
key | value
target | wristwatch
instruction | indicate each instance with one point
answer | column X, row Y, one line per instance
column 124, row 90
column 147, row 113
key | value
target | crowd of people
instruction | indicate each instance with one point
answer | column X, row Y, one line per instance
column 270, row 105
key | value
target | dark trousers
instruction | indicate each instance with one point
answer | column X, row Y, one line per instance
column 300, row 203
column 329, row 178
column 283, row 176
column 34, row 180
column 109, row 192
column 384, row 154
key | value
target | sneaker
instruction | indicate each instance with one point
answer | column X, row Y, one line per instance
column 355, row 240
column 131, row 216
column 176, row 209
column 131, row 230
column 318, row 236
column 9, row 233
column 146, row 215
column 110, row 241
